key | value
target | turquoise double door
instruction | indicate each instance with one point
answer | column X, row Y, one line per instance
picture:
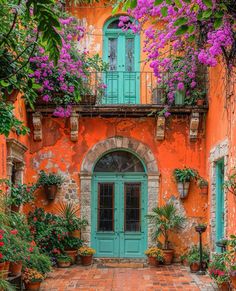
column 121, row 50
column 119, row 206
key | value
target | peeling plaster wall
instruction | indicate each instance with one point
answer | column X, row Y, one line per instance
column 221, row 142
column 57, row 153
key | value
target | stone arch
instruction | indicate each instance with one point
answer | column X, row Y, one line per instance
column 98, row 150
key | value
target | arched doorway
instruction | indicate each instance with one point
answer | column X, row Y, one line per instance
column 119, row 205
column 121, row 50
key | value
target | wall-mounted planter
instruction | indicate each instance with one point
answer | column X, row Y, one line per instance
column 50, row 191
column 183, row 189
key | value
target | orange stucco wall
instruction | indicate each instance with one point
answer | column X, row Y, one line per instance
column 221, row 126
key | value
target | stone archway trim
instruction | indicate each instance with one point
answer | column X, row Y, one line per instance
column 117, row 142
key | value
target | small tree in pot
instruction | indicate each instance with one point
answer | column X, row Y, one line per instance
column 50, row 182
column 165, row 219
column 183, row 178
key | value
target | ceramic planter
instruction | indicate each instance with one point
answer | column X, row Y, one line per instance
column 152, row 261
column 15, row 268
column 168, row 256
column 183, row 189
column 62, row 264
column 72, row 254
column 50, row 191
column 204, row 190
column 86, row 260
column 194, row 267
column 6, row 270
column 33, row 286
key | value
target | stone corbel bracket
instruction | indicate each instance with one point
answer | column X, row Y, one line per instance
column 74, row 126
column 37, row 125
column 194, row 125
column 160, row 128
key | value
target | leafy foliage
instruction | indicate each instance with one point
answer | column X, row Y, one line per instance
column 165, row 219
column 185, row 175
column 86, row 251
column 217, row 268
column 193, row 255
column 49, row 179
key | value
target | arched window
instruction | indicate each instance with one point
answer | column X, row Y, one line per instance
column 119, row 161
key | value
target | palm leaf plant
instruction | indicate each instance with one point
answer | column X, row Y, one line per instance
column 165, row 219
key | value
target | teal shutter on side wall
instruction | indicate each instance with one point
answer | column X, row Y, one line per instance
column 220, row 212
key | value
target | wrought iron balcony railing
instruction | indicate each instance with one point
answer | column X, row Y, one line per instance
column 114, row 88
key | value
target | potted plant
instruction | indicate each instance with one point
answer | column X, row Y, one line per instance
column 193, row 259
column 68, row 211
column 70, row 246
column 201, row 227
column 155, row 256
column 19, row 194
column 183, row 178
column 203, row 185
column 32, row 279
column 165, row 219
column 50, row 182
column 231, row 259
column 183, row 259
column 199, row 96
column 218, row 271
column 63, row 261
column 86, row 255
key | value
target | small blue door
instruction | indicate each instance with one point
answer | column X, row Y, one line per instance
column 220, row 212
column 119, row 207
column 121, row 51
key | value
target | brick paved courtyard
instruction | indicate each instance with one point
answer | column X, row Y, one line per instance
column 97, row 278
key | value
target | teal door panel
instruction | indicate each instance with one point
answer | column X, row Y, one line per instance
column 220, row 212
column 126, row 235
column 121, row 50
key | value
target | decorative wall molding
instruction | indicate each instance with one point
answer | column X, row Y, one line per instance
column 86, row 174
column 194, row 125
column 37, row 125
column 15, row 157
column 74, row 126
column 218, row 152
column 160, row 128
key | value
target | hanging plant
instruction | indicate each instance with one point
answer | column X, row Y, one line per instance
column 203, row 185
column 183, row 178
column 230, row 184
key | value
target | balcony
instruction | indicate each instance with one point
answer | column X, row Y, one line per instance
column 130, row 94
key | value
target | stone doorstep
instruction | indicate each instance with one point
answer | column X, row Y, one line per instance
column 120, row 262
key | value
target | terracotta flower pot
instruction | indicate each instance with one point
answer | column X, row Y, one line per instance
column 34, row 286
column 233, row 280
column 194, row 267
column 224, row 286
column 15, row 268
column 204, row 190
column 152, row 261
column 15, row 208
column 185, row 262
column 72, row 254
column 2, row 269
column 62, row 264
column 168, row 256
column 6, row 269
column 86, row 260
column 50, row 191
column 200, row 102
